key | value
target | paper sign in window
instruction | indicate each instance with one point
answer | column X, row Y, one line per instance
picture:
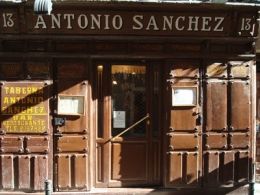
column 184, row 96
column 119, row 119
column 71, row 105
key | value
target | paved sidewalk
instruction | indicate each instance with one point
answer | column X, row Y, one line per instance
column 257, row 189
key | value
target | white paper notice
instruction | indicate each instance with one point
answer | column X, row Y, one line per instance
column 119, row 119
column 184, row 96
column 71, row 105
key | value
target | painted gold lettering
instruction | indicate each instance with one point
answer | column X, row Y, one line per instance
column 6, row 90
column 13, row 100
column 30, row 110
column 12, row 91
column 29, row 90
column 32, row 90
column 16, row 109
column 6, row 100
column 41, row 109
column 18, row 90
column 10, row 110
column 4, row 109
column 24, row 91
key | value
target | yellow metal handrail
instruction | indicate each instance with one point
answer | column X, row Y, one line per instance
column 127, row 129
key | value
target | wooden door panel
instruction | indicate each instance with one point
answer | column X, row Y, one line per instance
column 239, row 69
column 72, row 171
column 216, row 141
column 183, row 169
column 192, row 172
column 66, row 70
column 24, row 172
column 240, row 106
column 174, row 172
column 7, row 175
column 228, row 167
column 64, row 171
column 216, row 70
column 242, row 166
column 81, row 171
column 11, row 144
column 40, row 171
column 123, row 166
column 211, row 163
column 39, row 144
column 75, row 143
column 177, row 124
column 239, row 140
column 184, row 142
column 216, row 106
column 185, row 69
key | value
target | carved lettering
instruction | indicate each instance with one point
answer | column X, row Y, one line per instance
column 246, row 24
column 8, row 20
column 137, row 19
column 219, row 25
column 129, row 23
column 40, row 22
column 152, row 24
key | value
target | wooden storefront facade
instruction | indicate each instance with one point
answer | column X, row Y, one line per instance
column 177, row 80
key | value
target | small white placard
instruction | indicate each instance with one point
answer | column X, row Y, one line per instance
column 184, row 96
column 71, row 105
column 119, row 119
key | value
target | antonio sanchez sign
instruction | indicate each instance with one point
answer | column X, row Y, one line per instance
column 133, row 23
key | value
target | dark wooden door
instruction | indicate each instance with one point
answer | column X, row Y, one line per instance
column 208, row 124
column 133, row 158
column 71, row 127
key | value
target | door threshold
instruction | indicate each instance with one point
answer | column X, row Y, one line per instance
column 241, row 190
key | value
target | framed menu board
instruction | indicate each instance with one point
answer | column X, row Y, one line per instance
column 71, row 105
column 184, row 96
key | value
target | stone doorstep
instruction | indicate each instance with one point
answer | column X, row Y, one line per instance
column 150, row 191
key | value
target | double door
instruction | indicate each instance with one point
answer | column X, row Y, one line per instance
column 208, row 128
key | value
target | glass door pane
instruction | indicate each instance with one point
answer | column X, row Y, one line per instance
column 128, row 99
